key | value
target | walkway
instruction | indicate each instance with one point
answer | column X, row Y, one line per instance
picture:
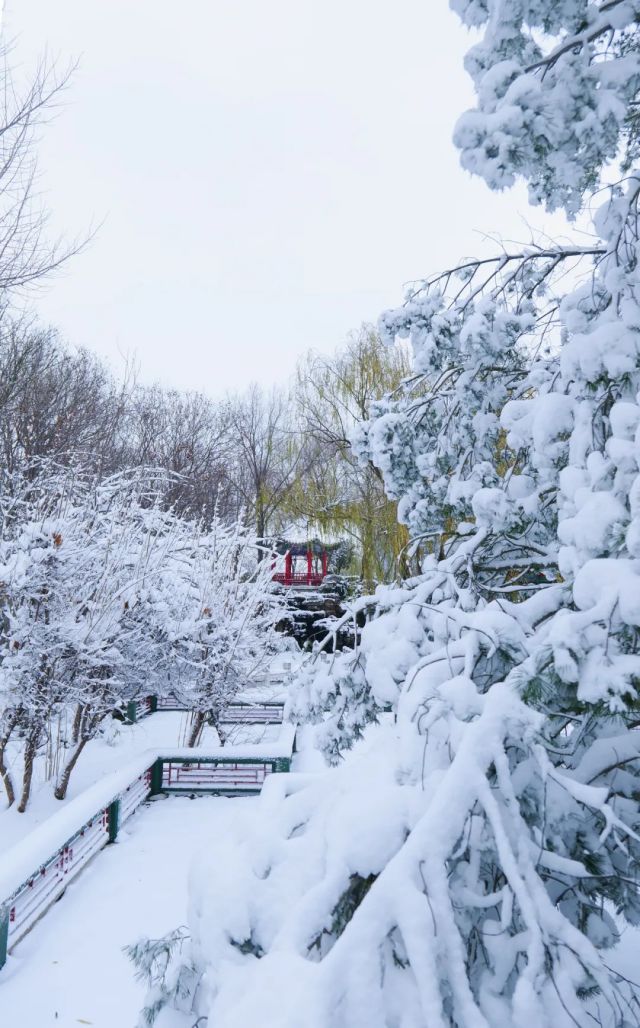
column 70, row 970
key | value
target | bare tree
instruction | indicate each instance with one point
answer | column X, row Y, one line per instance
column 268, row 454
column 184, row 433
column 54, row 402
column 26, row 255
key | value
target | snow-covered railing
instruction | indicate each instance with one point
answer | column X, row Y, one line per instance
column 167, row 703
column 268, row 713
column 60, row 848
column 36, row 871
column 229, row 770
column 240, row 712
column 142, row 707
column 202, row 775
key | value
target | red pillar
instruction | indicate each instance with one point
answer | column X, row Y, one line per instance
column 325, row 563
column 309, row 566
column 287, row 568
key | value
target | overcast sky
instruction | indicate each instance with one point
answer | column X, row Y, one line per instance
column 269, row 174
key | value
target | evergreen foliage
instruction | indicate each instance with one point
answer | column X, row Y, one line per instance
column 472, row 863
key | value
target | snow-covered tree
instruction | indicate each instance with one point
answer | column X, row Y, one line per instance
column 221, row 619
column 120, row 551
column 108, row 596
column 472, row 862
column 35, row 518
column 73, row 554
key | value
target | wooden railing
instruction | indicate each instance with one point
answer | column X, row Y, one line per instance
column 300, row 578
column 58, row 853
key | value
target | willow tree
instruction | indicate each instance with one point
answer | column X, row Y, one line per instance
column 340, row 495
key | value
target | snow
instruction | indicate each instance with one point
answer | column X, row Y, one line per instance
column 611, row 582
column 120, row 746
column 461, row 863
column 42, row 843
column 75, row 954
column 70, row 970
column 146, row 869
column 138, row 601
column 462, row 869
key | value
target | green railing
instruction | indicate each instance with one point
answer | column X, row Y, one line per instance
column 59, row 849
column 239, row 712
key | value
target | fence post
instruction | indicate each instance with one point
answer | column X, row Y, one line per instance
column 132, row 713
column 156, row 777
column 282, row 764
column 113, row 820
column 4, row 934
column 153, row 704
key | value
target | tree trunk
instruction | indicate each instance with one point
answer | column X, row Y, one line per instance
column 77, row 721
column 196, row 729
column 216, row 722
column 7, row 780
column 27, row 776
column 60, row 790
column 5, row 774
column 261, row 529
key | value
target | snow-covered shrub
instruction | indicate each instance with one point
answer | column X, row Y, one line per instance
column 154, row 960
column 471, row 862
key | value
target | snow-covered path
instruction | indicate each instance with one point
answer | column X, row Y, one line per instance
column 70, row 970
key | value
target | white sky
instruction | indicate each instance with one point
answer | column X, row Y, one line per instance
column 270, row 174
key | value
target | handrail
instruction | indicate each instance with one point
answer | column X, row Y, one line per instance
column 298, row 578
column 61, row 847
column 240, row 712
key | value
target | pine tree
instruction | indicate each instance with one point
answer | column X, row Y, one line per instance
column 472, row 863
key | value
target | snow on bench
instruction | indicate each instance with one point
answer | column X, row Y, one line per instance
column 36, row 871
